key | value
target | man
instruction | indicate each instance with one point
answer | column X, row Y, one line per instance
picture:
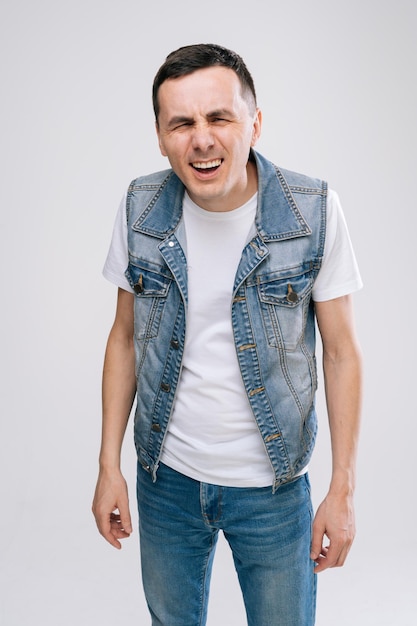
column 223, row 264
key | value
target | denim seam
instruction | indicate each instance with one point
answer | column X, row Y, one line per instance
column 203, row 585
column 203, row 504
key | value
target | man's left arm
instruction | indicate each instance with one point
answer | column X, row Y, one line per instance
column 342, row 375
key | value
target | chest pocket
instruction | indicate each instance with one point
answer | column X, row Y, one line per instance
column 284, row 299
column 151, row 285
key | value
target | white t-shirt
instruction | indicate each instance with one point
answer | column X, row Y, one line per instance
column 212, row 435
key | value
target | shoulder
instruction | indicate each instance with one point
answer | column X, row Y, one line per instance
column 144, row 191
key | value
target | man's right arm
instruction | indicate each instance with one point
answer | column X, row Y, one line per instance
column 111, row 504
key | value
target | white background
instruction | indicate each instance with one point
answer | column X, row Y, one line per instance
column 336, row 83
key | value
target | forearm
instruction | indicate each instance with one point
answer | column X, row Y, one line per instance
column 342, row 375
column 335, row 517
column 343, row 395
column 118, row 392
column 111, row 501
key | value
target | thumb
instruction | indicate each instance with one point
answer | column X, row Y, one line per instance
column 317, row 541
column 315, row 550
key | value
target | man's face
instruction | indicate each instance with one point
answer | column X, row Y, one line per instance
column 206, row 129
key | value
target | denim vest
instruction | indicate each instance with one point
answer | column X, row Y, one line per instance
column 271, row 307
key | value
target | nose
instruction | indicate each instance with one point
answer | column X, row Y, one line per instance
column 202, row 137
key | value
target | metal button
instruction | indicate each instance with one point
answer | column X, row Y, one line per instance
column 156, row 428
column 138, row 288
column 175, row 344
column 292, row 296
column 171, row 244
column 165, row 387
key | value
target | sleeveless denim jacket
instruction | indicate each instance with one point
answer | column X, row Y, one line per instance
column 271, row 307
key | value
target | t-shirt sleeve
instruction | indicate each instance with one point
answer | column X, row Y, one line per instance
column 339, row 274
column 118, row 257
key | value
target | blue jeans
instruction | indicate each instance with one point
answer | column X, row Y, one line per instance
column 269, row 535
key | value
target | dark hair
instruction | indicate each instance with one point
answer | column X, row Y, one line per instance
column 189, row 59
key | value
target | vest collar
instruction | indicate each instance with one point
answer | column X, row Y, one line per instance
column 278, row 216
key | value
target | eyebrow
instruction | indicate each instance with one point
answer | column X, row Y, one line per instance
column 220, row 113
column 179, row 119
column 182, row 119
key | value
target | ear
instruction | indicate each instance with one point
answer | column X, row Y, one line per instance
column 257, row 126
column 160, row 140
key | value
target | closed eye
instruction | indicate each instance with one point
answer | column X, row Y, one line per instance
column 179, row 122
column 185, row 124
column 220, row 116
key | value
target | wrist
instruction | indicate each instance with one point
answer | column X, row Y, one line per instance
column 109, row 463
column 342, row 484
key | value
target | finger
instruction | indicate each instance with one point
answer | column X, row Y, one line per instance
column 123, row 522
column 125, row 519
column 320, row 559
column 332, row 556
column 110, row 533
column 117, row 526
column 110, row 528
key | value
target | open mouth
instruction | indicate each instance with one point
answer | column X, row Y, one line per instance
column 206, row 167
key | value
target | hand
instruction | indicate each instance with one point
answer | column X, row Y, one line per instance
column 111, row 508
column 335, row 519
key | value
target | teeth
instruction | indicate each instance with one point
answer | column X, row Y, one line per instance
column 207, row 165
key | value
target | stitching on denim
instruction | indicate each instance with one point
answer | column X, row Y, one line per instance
column 204, row 578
